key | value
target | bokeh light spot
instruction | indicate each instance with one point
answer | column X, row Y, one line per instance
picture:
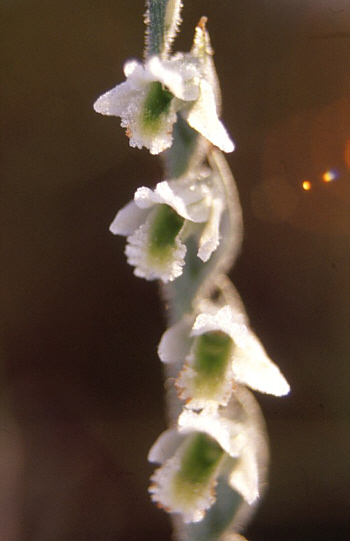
column 306, row 185
column 329, row 176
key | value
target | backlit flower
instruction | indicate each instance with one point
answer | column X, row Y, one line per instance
column 147, row 102
column 222, row 351
column 216, row 442
column 157, row 222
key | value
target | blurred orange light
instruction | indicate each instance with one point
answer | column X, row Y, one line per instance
column 307, row 185
column 328, row 176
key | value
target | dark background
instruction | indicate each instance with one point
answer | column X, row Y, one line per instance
column 82, row 387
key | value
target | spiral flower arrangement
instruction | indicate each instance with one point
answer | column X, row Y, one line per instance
column 186, row 233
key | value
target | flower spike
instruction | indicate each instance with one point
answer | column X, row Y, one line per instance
column 186, row 232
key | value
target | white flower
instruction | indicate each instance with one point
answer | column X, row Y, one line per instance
column 251, row 365
column 191, row 456
column 148, row 101
column 223, row 352
column 155, row 224
column 203, row 446
column 180, row 485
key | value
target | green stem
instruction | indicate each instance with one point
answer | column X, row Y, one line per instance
column 155, row 18
column 162, row 19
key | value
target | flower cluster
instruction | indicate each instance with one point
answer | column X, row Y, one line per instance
column 184, row 233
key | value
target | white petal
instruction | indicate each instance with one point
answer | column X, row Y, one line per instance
column 165, row 446
column 163, row 195
column 191, row 504
column 250, row 363
column 144, row 198
column 131, row 66
column 196, row 193
column 138, row 77
column 248, row 475
column 245, row 476
column 175, row 343
column 210, row 237
column 189, row 201
column 203, row 118
column 166, row 74
column 251, row 366
column 225, row 431
column 128, row 219
column 174, row 75
column 222, row 320
column 202, row 49
column 179, row 198
column 116, row 101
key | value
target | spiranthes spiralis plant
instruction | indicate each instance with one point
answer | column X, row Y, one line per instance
column 186, row 233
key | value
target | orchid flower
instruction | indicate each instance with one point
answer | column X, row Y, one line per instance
column 218, row 350
column 203, row 447
column 157, row 222
column 154, row 92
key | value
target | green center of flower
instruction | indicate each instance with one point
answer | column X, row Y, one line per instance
column 199, row 464
column 212, row 355
column 156, row 105
column 200, row 459
column 165, row 227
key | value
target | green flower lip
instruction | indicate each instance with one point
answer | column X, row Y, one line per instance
column 200, row 460
column 155, row 106
column 212, row 354
column 164, row 230
column 205, row 376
